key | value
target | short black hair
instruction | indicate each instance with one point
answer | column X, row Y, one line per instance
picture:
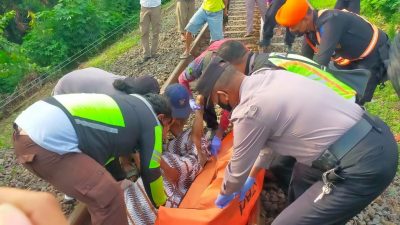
column 159, row 103
column 232, row 51
column 218, row 71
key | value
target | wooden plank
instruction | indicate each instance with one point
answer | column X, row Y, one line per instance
column 173, row 78
column 80, row 215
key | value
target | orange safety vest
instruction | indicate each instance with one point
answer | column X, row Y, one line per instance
column 343, row 61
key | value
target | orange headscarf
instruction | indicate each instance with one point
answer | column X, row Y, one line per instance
column 292, row 12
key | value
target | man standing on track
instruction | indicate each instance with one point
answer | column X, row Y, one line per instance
column 269, row 25
column 184, row 11
column 150, row 16
column 344, row 38
column 210, row 12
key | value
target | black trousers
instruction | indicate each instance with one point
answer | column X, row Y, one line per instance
column 282, row 168
column 270, row 23
column 376, row 63
column 210, row 116
column 368, row 169
column 350, row 5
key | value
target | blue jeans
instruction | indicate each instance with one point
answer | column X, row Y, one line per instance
column 214, row 20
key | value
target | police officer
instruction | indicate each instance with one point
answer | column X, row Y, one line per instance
column 68, row 139
column 343, row 37
column 345, row 158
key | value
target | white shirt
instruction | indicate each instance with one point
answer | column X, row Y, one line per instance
column 150, row 3
column 38, row 122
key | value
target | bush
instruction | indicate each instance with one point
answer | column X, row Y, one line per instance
column 14, row 65
column 384, row 13
column 72, row 25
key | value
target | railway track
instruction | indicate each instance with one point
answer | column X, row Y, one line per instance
column 235, row 29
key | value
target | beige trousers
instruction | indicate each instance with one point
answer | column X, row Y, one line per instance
column 150, row 16
column 184, row 11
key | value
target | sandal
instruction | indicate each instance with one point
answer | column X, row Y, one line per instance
column 249, row 35
column 183, row 38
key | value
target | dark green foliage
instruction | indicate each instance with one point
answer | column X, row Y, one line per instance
column 17, row 27
column 388, row 9
column 72, row 25
column 14, row 65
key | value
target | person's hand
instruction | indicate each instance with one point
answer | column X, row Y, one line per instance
column 10, row 215
column 125, row 183
column 224, row 200
column 40, row 208
column 193, row 105
column 200, row 100
column 215, row 145
column 246, row 186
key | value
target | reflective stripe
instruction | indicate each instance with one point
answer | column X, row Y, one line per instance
column 155, row 158
column 315, row 74
column 157, row 192
column 148, row 106
column 157, row 151
column 109, row 160
column 97, row 107
column 96, row 126
column 343, row 61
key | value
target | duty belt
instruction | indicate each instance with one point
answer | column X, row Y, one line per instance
column 332, row 156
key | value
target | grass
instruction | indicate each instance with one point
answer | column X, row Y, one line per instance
column 322, row 4
column 386, row 105
column 109, row 55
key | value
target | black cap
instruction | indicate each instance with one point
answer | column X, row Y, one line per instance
column 210, row 76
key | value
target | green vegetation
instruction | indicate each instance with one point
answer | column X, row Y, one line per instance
column 322, row 4
column 384, row 13
column 14, row 64
column 56, row 33
column 110, row 54
column 73, row 25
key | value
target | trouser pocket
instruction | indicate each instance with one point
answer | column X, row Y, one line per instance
column 100, row 188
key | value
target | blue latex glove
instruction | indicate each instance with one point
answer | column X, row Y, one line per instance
column 193, row 105
column 224, row 200
column 246, row 186
column 215, row 145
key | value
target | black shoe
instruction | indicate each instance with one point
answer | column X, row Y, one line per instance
column 145, row 59
column 264, row 43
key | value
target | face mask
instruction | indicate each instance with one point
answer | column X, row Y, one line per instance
column 227, row 107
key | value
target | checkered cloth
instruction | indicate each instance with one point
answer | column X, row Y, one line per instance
column 181, row 154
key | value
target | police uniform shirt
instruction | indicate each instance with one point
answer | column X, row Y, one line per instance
column 287, row 113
